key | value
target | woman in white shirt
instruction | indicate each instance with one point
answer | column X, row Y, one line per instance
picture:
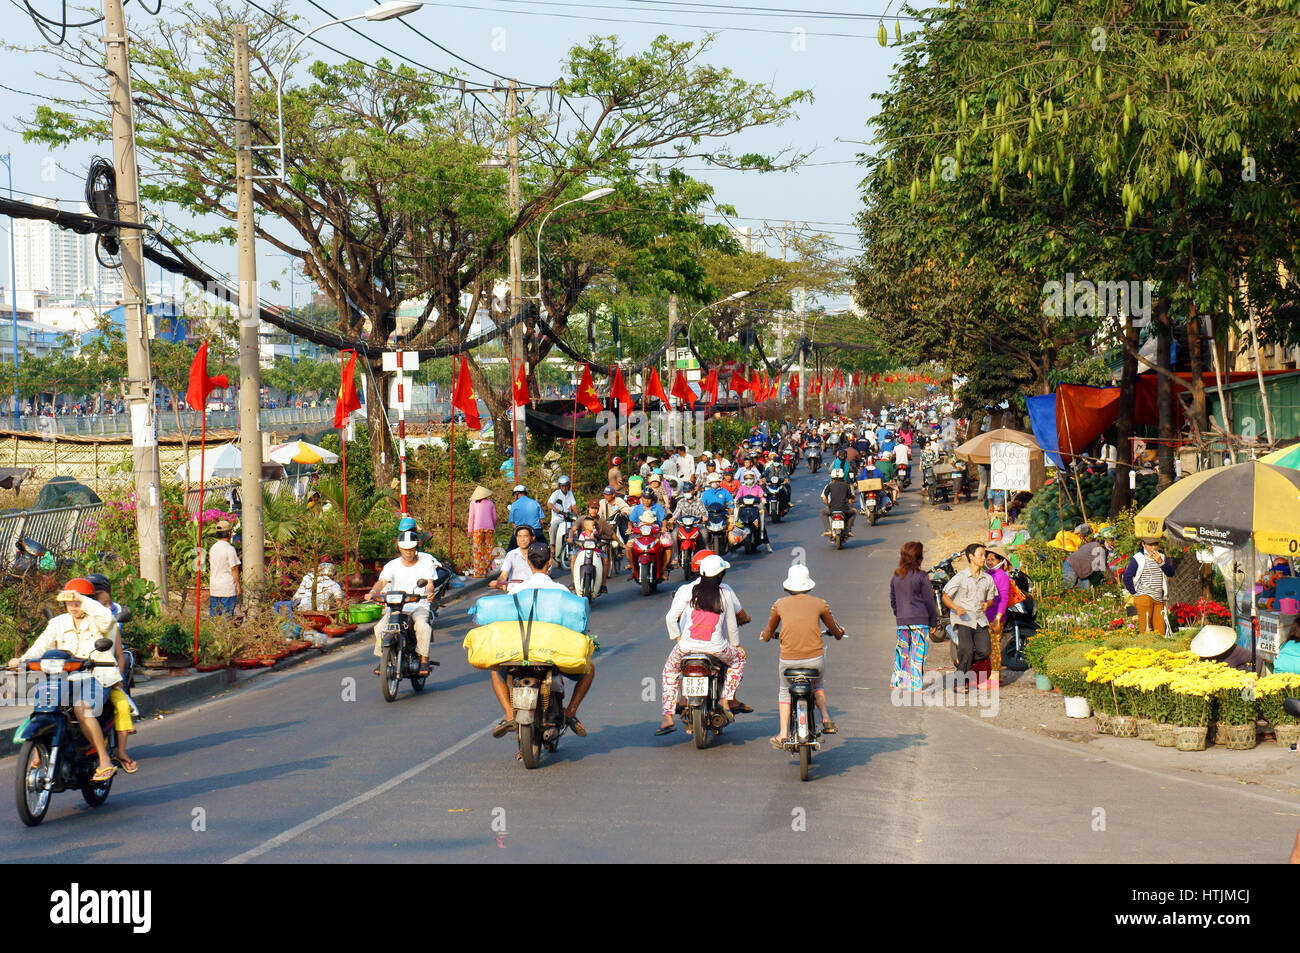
column 708, row 626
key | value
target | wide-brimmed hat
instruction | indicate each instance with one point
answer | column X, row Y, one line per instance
column 797, row 579
column 480, row 493
column 1213, row 640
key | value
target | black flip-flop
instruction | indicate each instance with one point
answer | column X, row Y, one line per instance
column 661, row 730
column 503, row 728
column 742, row 709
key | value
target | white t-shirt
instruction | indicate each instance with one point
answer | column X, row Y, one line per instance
column 564, row 500
column 403, row 578
column 902, row 454
column 222, row 559
column 517, row 570
column 540, row 580
column 682, row 602
column 724, row 631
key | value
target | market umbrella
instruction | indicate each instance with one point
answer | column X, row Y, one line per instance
column 1286, row 457
column 976, row 449
column 300, row 451
column 1230, row 506
column 223, row 463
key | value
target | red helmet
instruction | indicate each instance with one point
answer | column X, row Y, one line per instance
column 699, row 557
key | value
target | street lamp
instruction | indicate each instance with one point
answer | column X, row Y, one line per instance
column 591, row 196
column 385, row 11
column 8, row 160
column 731, row 297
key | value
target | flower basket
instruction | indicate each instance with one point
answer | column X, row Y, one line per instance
column 1190, row 737
column 1146, row 729
column 1237, row 737
column 1286, row 735
column 1163, row 734
column 1103, row 721
column 1123, row 726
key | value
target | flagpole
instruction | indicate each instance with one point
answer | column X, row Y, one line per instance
column 451, row 486
column 514, row 433
column 609, row 444
column 198, row 583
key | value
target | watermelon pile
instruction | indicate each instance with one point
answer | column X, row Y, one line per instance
column 1044, row 519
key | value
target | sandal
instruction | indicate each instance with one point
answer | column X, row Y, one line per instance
column 829, row 727
column 503, row 728
column 665, row 730
column 103, row 774
column 128, row 765
column 777, row 743
column 741, row 708
column 576, row 726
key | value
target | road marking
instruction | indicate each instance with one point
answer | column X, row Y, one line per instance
column 281, row 839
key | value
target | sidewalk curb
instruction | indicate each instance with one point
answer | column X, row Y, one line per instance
column 171, row 693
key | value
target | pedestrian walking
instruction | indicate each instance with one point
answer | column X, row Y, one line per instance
column 915, row 614
column 482, row 524
column 223, row 573
column 967, row 596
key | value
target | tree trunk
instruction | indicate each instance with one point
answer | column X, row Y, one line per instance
column 498, row 405
column 1196, row 359
column 1164, row 394
column 1122, row 496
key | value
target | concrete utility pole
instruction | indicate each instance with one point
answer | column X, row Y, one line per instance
column 253, row 558
column 516, row 276
column 139, row 382
column 803, row 350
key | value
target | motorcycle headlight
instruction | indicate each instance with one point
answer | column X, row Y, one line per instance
column 52, row 666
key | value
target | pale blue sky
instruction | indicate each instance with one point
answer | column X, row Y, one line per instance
column 837, row 56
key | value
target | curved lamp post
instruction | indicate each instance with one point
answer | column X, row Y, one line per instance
column 591, row 196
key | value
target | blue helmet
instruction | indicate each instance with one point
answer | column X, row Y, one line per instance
column 407, row 523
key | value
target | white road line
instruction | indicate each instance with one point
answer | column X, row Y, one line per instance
column 281, row 839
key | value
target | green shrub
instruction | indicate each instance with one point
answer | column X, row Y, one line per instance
column 1065, row 665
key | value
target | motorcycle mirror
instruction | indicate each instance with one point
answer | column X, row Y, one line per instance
column 421, row 583
column 103, row 645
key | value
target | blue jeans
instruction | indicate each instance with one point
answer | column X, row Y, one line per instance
column 221, row 605
column 1072, row 580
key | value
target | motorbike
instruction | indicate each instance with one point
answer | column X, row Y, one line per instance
column 814, row 456
column 773, row 492
column 715, row 529
column 872, row 505
column 838, row 531
column 804, row 731
column 649, row 556
column 789, row 460
column 588, row 569
column 537, row 695
column 904, row 475
column 1021, row 622
column 55, row 755
column 702, row 680
column 564, row 551
column 688, row 544
column 747, row 522
column 399, row 656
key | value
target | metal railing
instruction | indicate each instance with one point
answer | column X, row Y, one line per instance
column 65, row 531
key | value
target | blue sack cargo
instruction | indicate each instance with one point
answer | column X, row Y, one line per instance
column 557, row 606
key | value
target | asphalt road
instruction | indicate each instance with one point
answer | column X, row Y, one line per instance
column 312, row 765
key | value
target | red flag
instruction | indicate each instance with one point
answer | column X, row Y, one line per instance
column 710, row 386
column 618, row 391
column 794, row 385
column 521, row 387
column 655, row 388
column 738, row 382
column 201, row 385
column 587, row 391
column 347, row 399
column 682, row 390
column 462, row 397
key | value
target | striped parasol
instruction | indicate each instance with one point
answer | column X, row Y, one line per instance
column 300, row 451
column 1286, row 457
column 1230, row 506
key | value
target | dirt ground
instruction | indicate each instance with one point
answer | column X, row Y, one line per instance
column 1019, row 705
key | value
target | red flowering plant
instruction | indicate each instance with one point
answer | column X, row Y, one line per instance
column 1200, row 612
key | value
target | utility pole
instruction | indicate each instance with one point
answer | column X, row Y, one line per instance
column 139, row 384
column 516, row 277
column 803, row 351
column 250, row 367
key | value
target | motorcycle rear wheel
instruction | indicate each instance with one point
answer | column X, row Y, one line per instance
column 805, row 759
column 390, row 675
column 32, row 803
column 871, row 515
column 839, row 540
column 530, row 746
column 698, row 729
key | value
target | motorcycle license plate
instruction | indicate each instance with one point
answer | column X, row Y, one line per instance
column 837, row 524
column 696, row 686
column 525, row 698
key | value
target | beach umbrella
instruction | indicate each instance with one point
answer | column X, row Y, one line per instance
column 978, row 448
column 1286, row 457
column 1230, row 506
column 223, row 463
column 300, row 451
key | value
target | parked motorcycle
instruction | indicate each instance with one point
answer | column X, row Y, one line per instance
column 55, row 755
column 588, row 569
column 649, row 556
column 399, row 656
column 804, row 731
column 688, row 544
column 747, row 522
column 1021, row 623
column 715, row 529
column 702, row 680
column 537, row 694
column 838, row 531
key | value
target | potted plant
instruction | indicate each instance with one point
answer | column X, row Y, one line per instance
column 1192, row 695
column 1234, row 706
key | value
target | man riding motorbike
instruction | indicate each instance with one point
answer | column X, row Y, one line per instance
column 688, row 504
column 561, row 504
column 838, row 497
column 775, row 469
column 402, row 574
column 750, row 490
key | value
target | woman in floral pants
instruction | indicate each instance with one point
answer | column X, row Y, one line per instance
column 915, row 613
column 482, row 523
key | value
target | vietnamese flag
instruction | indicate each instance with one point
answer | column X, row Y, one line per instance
column 587, row 392
column 618, row 391
column 521, row 387
column 655, row 388
column 201, row 385
column 738, row 382
column 710, row 386
column 682, row 390
column 793, row 385
column 462, row 397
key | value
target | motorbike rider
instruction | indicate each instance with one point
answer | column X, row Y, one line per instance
column 729, row 481
column 539, row 560
column 402, row 574
column 890, row 475
column 560, row 505
column 615, row 510
column 648, row 504
column 120, row 697
column 840, row 463
column 800, row 617
column 706, row 624
column 838, row 497
column 749, row 489
column 688, row 504
column 85, row 621
column 592, row 526
column 776, row 469
column 750, row 467
column 717, row 494
column 902, row 455
column 514, row 567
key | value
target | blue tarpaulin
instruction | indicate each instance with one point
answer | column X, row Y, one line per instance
column 1042, row 421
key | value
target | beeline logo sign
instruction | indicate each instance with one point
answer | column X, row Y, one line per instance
column 102, row 908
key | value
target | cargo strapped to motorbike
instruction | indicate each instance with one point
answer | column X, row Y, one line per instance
column 873, row 483
column 527, row 641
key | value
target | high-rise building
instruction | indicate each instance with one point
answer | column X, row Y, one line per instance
column 57, row 261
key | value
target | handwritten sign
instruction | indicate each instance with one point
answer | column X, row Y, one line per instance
column 1009, row 466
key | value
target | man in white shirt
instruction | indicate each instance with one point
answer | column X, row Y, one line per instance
column 902, row 454
column 514, row 567
column 539, row 560
column 560, row 504
column 223, row 573
column 685, row 464
column 401, row 575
